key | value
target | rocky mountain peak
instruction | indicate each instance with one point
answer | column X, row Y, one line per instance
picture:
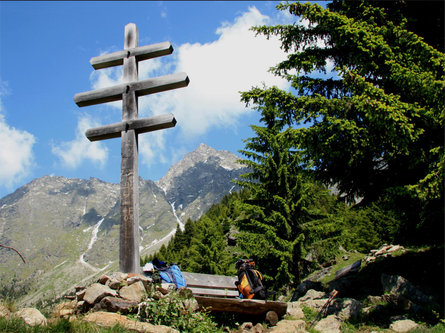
column 202, row 154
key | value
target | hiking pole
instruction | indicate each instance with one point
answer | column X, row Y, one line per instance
column 324, row 308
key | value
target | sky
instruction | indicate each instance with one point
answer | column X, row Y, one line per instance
column 45, row 49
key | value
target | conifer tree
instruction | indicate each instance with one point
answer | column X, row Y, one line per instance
column 283, row 202
column 374, row 126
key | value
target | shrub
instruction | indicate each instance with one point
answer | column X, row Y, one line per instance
column 177, row 312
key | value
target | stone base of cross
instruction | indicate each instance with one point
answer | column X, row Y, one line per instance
column 130, row 127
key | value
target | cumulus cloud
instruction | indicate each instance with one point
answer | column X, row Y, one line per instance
column 218, row 71
column 16, row 154
column 73, row 153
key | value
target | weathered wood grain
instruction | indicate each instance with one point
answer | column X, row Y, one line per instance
column 141, row 88
column 200, row 280
column 214, row 292
column 129, row 227
column 141, row 53
column 247, row 306
column 143, row 125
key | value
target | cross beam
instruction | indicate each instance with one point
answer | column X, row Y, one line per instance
column 143, row 125
column 130, row 127
column 141, row 88
column 141, row 53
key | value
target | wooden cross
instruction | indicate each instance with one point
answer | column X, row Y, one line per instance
column 129, row 128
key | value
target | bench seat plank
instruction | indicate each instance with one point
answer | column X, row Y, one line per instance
column 200, row 280
column 214, row 292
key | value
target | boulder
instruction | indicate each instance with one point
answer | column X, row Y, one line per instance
column 303, row 287
column 134, row 292
column 119, row 276
column 330, row 324
column 315, row 304
column 110, row 319
column 312, row 294
column 103, row 279
column 286, row 326
column 258, row 328
column 404, row 325
column 398, row 285
column 80, row 294
column 294, row 310
column 139, row 277
column 345, row 308
column 113, row 283
column 65, row 309
column 96, row 292
column 32, row 317
column 116, row 304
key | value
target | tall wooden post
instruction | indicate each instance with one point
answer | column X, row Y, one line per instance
column 129, row 229
column 130, row 127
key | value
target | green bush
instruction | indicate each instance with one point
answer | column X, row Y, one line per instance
column 176, row 311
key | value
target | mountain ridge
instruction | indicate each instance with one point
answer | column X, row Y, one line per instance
column 68, row 228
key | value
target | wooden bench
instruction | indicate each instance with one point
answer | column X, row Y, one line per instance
column 218, row 293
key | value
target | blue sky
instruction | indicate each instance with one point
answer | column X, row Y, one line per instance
column 45, row 48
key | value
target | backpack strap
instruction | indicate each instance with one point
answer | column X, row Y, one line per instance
column 257, row 277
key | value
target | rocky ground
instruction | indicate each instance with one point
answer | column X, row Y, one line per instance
column 391, row 306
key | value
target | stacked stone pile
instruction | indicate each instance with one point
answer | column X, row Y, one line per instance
column 107, row 301
column 384, row 251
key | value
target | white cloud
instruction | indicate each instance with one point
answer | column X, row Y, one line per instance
column 218, row 71
column 73, row 153
column 16, row 154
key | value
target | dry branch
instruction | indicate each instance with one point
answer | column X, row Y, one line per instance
column 8, row 247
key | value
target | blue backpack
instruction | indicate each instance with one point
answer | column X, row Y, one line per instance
column 170, row 273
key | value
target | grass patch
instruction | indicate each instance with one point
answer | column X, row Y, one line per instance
column 17, row 325
column 341, row 263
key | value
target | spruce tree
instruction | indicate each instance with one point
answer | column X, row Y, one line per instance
column 283, row 201
column 373, row 126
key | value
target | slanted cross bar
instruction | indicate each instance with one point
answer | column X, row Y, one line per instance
column 130, row 127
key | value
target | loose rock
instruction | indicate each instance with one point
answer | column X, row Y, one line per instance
column 286, row 326
column 96, row 292
column 110, row 319
column 134, row 292
column 402, row 326
column 32, row 317
column 330, row 324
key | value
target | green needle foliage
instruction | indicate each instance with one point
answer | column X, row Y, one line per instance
column 283, row 201
column 370, row 129
column 373, row 127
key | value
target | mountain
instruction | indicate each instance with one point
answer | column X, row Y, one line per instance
column 68, row 229
column 200, row 179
